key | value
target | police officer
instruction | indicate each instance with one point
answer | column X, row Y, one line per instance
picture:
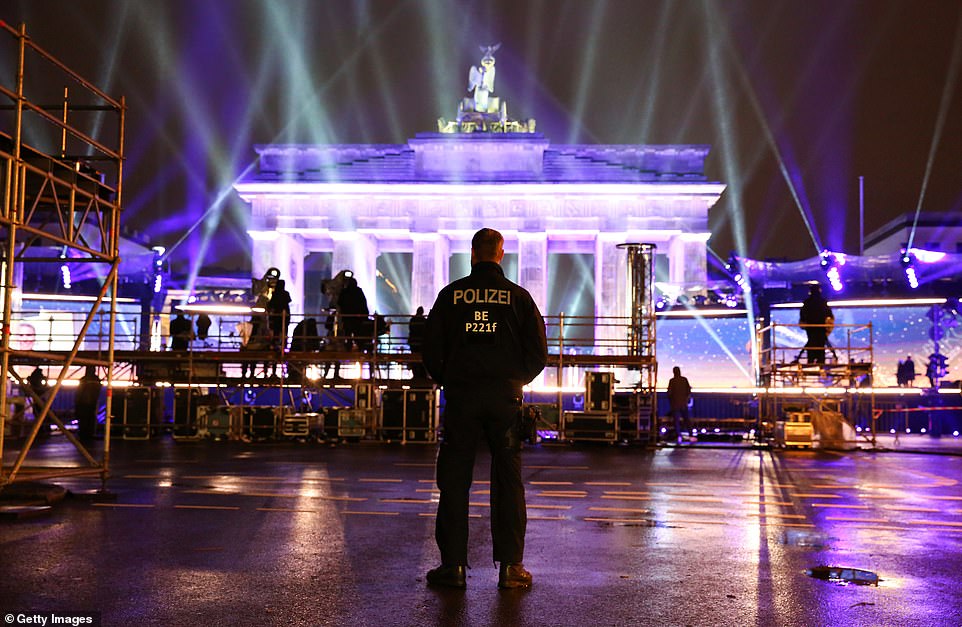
column 485, row 339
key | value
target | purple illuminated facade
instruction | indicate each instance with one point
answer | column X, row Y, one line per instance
column 427, row 197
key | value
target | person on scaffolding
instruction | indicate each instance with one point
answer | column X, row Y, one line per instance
column 817, row 320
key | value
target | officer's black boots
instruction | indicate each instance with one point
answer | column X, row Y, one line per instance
column 448, row 576
column 513, row 576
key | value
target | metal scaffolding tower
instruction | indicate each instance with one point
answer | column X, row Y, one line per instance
column 641, row 335
column 60, row 203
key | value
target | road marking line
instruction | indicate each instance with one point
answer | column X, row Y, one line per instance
column 551, row 483
column 773, row 503
column 781, row 523
column 549, row 507
column 839, row 506
column 481, row 492
column 348, row 499
column 879, row 497
column 692, row 499
column 359, row 513
column 622, row 497
column 940, row 523
column 147, row 477
column 261, row 478
column 699, row 522
column 618, row 520
column 224, row 507
column 563, row 494
column 764, row 515
column 377, row 480
column 813, row 495
column 476, row 504
column 286, row 509
column 429, row 490
column 126, row 505
column 608, row 483
column 418, row 501
column 619, row 492
column 894, row 508
column 629, row 510
column 857, row 520
column 946, row 498
column 832, row 486
column 668, row 484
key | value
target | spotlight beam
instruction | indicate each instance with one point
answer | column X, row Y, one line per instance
column 730, row 161
column 726, row 43
column 947, row 91
column 587, row 63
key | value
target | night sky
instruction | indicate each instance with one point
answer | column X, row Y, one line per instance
column 831, row 89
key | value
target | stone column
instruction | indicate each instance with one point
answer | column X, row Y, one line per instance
column 285, row 252
column 262, row 252
column 357, row 252
column 611, row 299
column 289, row 252
column 429, row 268
column 533, row 267
column 688, row 262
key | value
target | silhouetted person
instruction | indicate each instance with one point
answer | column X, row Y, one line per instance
column 932, row 370
column 485, row 339
column 279, row 314
column 679, row 394
column 37, row 382
column 416, row 327
column 304, row 339
column 87, row 402
column 815, row 317
column 352, row 309
column 909, row 367
column 181, row 333
column 203, row 326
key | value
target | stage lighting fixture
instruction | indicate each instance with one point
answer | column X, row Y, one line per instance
column 830, row 263
column 160, row 266
column 65, row 269
column 908, row 264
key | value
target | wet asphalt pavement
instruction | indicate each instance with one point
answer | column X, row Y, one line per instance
column 209, row 533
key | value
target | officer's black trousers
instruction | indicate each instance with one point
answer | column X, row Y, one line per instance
column 492, row 412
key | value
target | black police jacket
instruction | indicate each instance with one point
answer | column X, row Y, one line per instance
column 484, row 329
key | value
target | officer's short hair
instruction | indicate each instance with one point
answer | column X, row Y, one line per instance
column 486, row 244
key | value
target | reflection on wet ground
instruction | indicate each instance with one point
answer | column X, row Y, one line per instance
column 289, row 533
